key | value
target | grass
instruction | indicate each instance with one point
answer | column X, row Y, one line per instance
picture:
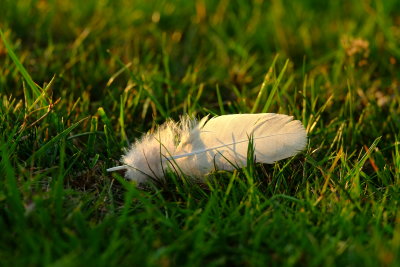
column 79, row 80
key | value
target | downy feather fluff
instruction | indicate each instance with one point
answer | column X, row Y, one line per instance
column 197, row 148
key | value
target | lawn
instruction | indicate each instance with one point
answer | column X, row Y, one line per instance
column 81, row 80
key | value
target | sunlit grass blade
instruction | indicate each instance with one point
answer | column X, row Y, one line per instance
column 264, row 85
column 275, row 87
column 35, row 89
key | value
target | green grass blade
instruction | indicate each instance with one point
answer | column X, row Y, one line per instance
column 275, row 88
column 35, row 89
column 54, row 140
column 264, row 85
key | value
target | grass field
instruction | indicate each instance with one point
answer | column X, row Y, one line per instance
column 80, row 80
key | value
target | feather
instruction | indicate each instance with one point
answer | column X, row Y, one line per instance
column 197, row 148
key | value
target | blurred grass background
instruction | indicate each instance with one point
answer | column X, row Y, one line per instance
column 80, row 80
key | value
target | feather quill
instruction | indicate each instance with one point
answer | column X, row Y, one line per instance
column 197, row 148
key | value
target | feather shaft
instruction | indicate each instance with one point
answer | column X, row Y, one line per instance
column 117, row 168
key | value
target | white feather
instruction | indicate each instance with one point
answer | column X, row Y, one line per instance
column 198, row 148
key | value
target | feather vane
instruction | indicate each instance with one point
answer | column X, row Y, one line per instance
column 197, row 148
